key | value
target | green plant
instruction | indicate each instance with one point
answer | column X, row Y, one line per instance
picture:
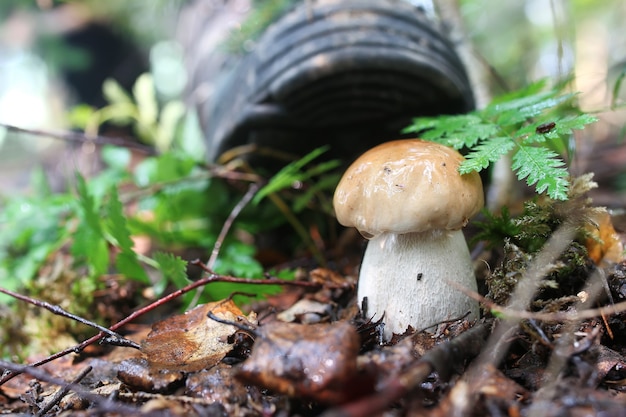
column 533, row 125
column 171, row 199
column 153, row 123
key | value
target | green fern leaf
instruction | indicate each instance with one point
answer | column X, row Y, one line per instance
column 126, row 261
column 458, row 131
column 172, row 268
column 485, row 153
column 89, row 242
column 566, row 125
column 520, row 110
column 524, row 118
column 544, row 168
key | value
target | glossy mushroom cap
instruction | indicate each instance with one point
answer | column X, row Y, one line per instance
column 407, row 186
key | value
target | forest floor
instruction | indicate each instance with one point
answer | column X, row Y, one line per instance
column 307, row 351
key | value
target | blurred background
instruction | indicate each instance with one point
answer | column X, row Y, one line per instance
column 56, row 55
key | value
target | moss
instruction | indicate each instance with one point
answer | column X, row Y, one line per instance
column 523, row 236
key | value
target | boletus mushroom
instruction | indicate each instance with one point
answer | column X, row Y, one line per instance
column 409, row 199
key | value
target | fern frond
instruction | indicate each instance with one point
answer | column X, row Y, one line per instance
column 459, row 131
column 485, row 153
column 543, row 167
column 533, row 123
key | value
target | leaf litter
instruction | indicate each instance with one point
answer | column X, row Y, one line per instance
column 310, row 352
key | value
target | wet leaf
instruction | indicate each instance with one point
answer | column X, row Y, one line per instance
column 193, row 341
column 138, row 373
column 315, row 361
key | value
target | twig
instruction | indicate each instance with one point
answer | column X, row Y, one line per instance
column 524, row 292
column 62, row 392
column 270, row 281
column 443, row 358
column 558, row 360
column 252, row 190
column 112, row 337
column 208, row 173
column 104, row 403
column 557, row 316
column 498, row 343
column 212, row 277
column 82, row 138
column 243, row 328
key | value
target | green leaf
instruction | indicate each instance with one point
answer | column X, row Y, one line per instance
column 455, row 131
column 171, row 115
column 237, row 258
column 80, row 115
column 616, row 88
column 173, row 269
column 191, row 140
column 544, row 168
column 565, row 125
column 126, row 261
column 485, row 153
column 114, row 93
column 88, row 205
column 525, row 118
column 89, row 242
column 168, row 167
column 116, row 157
column 292, row 173
column 128, row 265
column 90, row 246
column 116, row 222
column 521, row 109
column 145, row 96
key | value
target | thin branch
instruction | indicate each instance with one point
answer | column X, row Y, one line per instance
column 212, row 277
column 112, row 338
column 82, row 138
column 63, row 392
column 104, row 403
column 443, row 358
column 557, row 316
column 252, row 190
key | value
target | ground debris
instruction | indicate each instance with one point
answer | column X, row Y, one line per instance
column 315, row 361
column 138, row 374
column 193, row 341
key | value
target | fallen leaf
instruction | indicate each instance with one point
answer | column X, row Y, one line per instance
column 138, row 374
column 217, row 385
column 305, row 311
column 193, row 341
column 316, row 361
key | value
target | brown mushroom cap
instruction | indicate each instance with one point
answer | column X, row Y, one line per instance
column 407, row 186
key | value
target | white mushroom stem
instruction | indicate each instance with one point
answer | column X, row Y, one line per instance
column 404, row 277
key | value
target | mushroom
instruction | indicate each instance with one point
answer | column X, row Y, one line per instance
column 409, row 199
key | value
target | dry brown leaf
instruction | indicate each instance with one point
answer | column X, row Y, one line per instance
column 305, row 311
column 193, row 341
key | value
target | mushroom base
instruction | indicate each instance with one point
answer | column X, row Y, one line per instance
column 404, row 278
